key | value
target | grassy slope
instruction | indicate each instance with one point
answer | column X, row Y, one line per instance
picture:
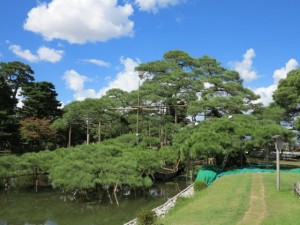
column 227, row 200
column 284, row 206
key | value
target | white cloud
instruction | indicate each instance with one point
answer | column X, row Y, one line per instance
column 80, row 21
column 97, row 62
column 43, row 54
column 126, row 80
column 49, row 54
column 20, row 98
column 24, row 54
column 244, row 68
column 283, row 71
column 266, row 93
column 74, row 80
column 155, row 5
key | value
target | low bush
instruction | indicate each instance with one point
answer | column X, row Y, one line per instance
column 146, row 217
column 199, row 185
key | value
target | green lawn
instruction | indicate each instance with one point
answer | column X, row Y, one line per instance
column 228, row 199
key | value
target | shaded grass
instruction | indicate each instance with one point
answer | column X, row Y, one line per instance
column 227, row 200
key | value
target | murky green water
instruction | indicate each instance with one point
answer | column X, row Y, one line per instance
column 56, row 208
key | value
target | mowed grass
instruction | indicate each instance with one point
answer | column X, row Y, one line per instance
column 283, row 207
column 228, row 199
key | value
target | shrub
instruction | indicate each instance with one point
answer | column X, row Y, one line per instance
column 199, row 185
column 146, row 217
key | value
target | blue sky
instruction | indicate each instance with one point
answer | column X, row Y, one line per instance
column 85, row 47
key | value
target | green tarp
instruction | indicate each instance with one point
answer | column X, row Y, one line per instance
column 207, row 174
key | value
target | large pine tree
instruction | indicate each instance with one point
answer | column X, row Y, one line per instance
column 40, row 101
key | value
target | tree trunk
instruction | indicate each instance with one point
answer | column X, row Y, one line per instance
column 111, row 202
column 110, row 129
column 87, row 133
column 175, row 115
column 115, row 194
column 36, row 184
column 5, row 182
column 242, row 159
column 99, row 131
column 267, row 155
column 70, row 134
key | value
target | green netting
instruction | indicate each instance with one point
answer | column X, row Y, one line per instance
column 297, row 170
column 208, row 175
column 258, row 170
column 246, row 170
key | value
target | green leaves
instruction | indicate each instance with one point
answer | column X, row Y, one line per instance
column 109, row 164
column 17, row 75
column 40, row 101
column 219, row 135
column 288, row 93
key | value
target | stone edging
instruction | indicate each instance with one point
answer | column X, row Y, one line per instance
column 163, row 209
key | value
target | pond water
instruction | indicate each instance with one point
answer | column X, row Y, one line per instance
column 57, row 208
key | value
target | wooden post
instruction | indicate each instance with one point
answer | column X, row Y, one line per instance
column 278, row 147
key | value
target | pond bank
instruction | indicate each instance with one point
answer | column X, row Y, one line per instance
column 48, row 206
column 163, row 209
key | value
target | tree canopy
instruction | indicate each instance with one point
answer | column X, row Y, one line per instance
column 17, row 75
column 40, row 101
column 185, row 108
column 288, row 93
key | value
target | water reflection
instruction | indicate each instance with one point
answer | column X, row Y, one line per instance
column 57, row 208
column 48, row 222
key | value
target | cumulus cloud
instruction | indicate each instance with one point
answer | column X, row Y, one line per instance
column 127, row 80
column 283, row 71
column 266, row 93
column 244, row 68
column 49, row 54
column 155, row 5
column 43, row 54
column 24, row 54
column 78, row 21
column 75, row 82
column 97, row 62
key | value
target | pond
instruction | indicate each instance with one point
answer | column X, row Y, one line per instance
column 49, row 207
